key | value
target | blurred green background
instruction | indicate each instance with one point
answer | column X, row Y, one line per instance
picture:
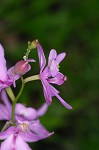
column 65, row 25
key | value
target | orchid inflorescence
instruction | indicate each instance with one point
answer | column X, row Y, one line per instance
column 22, row 123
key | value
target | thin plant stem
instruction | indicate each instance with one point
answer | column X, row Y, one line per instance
column 16, row 99
column 10, row 93
column 32, row 78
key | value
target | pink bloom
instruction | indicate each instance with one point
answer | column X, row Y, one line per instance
column 27, row 125
column 51, row 74
column 4, row 79
column 21, row 112
column 8, row 77
column 25, row 131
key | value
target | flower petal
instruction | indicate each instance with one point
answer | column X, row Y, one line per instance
column 21, row 67
column 59, row 79
column 41, row 56
column 4, row 113
column 53, row 68
column 25, row 113
column 63, row 102
column 31, row 60
column 7, row 144
column 29, row 136
column 38, row 129
column 14, row 143
column 42, row 110
column 20, row 144
column 52, row 56
column 6, row 101
column 5, row 108
column 11, row 76
column 7, row 133
column 46, row 90
column 54, row 92
column 3, row 68
column 46, row 72
column 4, row 84
column 60, row 57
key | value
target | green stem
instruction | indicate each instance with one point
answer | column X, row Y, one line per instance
column 10, row 93
column 15, row 100
column 31, row 78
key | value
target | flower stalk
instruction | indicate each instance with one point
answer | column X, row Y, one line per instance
column 16, row 99
column 32, row 78
column 31, row 45
column 10, row 93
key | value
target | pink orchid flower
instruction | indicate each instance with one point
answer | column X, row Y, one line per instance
column 27, row 125
column 25, row 131
column 50, row 74
column 21, row 112
column 8, row 77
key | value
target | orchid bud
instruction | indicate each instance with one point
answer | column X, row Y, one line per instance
column 21, row 67
column 33, row 44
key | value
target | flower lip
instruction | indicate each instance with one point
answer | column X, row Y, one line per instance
column 24, row 127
